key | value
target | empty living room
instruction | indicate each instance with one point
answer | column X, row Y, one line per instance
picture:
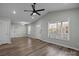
column 39, row 29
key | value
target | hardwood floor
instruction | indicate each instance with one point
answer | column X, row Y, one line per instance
column 34, row 47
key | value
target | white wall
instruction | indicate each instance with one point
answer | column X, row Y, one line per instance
column 18, row 30
column 71, row 15
column 34, row 29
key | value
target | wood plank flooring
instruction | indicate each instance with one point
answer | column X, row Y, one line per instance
column 34, row 47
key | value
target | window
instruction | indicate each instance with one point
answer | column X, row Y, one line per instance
column 59, row 27
column 65, row 30
column 59, row 30
column 52, row 30
column 65, row 27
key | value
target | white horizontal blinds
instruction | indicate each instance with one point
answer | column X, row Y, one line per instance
column 58, row 30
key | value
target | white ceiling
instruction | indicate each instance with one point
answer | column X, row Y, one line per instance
column 6, row 10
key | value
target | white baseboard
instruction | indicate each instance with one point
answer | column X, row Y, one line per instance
column 62, row 45
column 6, row 43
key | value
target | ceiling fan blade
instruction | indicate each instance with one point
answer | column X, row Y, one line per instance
column 27, row 10
column 40, row 10
column 31, row 14
column 33, row 7
column 38, row 13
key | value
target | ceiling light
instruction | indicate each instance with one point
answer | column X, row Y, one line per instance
column 14, row 12
column 32, row 17
column 37, row 25
column 23, row 23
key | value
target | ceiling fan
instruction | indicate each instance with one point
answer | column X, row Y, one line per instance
column 34, row 11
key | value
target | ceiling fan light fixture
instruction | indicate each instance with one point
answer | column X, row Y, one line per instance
column 34, row 11
column 34, row 14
